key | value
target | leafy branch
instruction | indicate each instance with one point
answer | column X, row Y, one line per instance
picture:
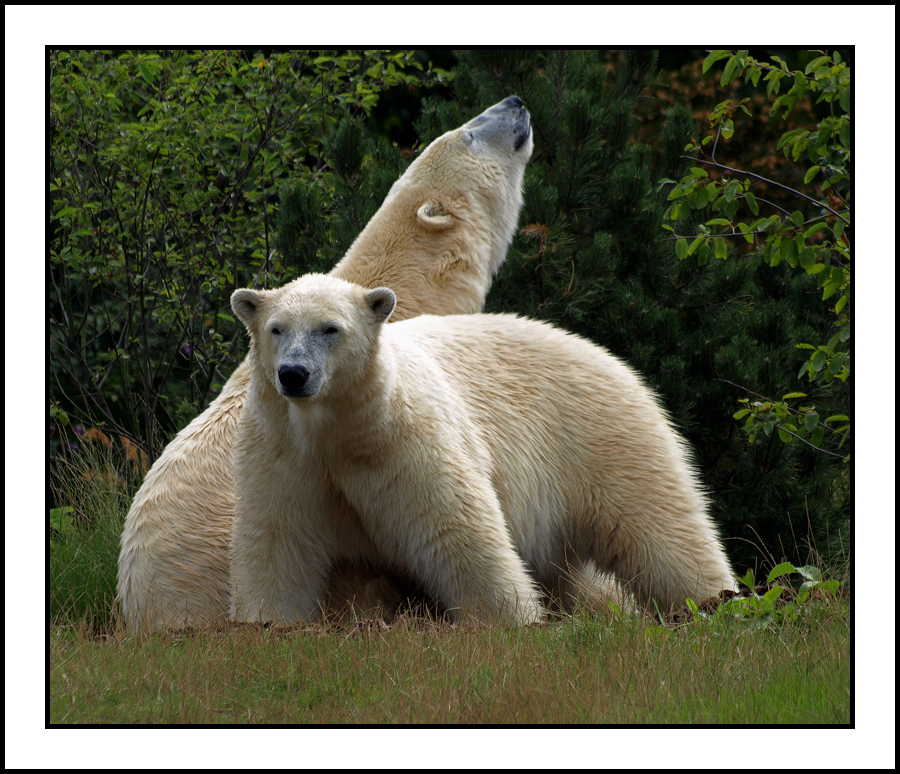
column 815, row 240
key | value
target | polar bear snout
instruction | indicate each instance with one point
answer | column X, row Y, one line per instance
column 293, row 379
column 492, row 131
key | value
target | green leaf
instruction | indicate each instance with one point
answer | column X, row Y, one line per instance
column 751, row 203
column 681, row 248
column 697, row 200
column 695, row 244
column 837, row 363
column 721, row 249
column 61, row 519
column 797, row 218
column 740, row 414
column 745, row 230
column 731, row 190
column 146, row 73
column 810, row 421
column 815, row 229
column 817, row 436
column 64, row 212
column 792, row 395
column 703, row 253
column 714, row 56
column 809, row 572
column 785, row 436
column 816, row 63
column 789, row 252
column 810, row 174
column 728, row 73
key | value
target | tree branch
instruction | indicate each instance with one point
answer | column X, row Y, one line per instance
column 770, row 182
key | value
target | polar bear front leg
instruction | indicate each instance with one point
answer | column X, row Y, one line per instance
column 476, row 565
column 444, row 522
column 282, row 544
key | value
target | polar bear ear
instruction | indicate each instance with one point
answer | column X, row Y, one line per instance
column 382, row 302
column 245, row 304
column 433, row 215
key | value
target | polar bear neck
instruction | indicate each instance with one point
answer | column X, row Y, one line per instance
column 440, row 273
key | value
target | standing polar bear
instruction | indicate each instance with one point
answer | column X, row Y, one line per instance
column 484, row 455
column 438, row 239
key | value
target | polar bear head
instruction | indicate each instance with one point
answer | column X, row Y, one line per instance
column 313, row 333
column 451, row 217
column 472, row 172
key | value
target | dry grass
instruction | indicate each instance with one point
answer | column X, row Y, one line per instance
column 583, row 670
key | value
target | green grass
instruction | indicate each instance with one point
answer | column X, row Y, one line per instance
column 583, row 670
column 607, row 669
column 84, row 533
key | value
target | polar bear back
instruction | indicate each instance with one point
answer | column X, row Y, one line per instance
column 572, row 431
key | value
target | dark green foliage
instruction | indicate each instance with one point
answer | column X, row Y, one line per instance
column 316, row 223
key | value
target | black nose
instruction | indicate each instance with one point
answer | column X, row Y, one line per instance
column 293, row 378
column 512, row 102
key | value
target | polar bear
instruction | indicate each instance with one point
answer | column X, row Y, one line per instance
column 484, row 455
column 438, row 239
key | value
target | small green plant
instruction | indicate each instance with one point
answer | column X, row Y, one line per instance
column 761, row 610
column 84, row 539
column 61, row 520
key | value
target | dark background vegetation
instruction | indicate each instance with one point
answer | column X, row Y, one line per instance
column 174, row 181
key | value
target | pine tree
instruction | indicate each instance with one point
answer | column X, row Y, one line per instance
column 317, row 223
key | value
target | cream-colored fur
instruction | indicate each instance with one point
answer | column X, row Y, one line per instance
column 438, row 239
column 483, row 455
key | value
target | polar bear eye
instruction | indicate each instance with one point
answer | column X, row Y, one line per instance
column 276, row 331
column 331, row 329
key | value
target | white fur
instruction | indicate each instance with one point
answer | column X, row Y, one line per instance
column 437, row 240
column 484, row 455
